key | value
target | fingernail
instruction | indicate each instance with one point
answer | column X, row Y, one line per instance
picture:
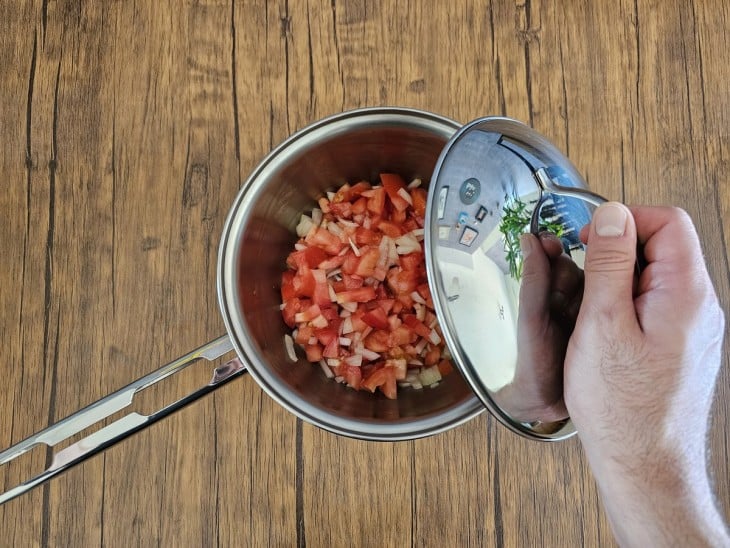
column 525, row 244
column 610, row 220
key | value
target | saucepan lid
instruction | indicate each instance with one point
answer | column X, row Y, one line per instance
column 506, row 316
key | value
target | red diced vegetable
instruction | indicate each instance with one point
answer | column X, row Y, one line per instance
column 355, row 291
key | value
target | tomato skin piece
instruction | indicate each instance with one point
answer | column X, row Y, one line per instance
column 432, row 356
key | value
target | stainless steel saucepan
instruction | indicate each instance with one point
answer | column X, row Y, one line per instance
column 258, row 235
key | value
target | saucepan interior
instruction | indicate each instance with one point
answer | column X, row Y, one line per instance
column 260, row 232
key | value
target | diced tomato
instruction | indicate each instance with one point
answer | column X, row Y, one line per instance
column 373, row 287
column 412, row 261
column 342, row 209
column 391, row 229
column 377, row 341
column 332, row 262
column 432, row 356
column 311, row 256
column 368, row 262
column 376, row 201
column 291, row 308
column 352, row 374
column 445, row 367
column 360, row 295
column 417, row 326
column 304, row 333
column 303, row 282
column 307, row 313
column 419, row 197
column 398, row 217
column 401, row 336
column 360, row 206
column 400, row 367
column 332, row 350
column 402, row 281
column 383, row 378
column 365, row 236
column 314, row 352
column 323, row 238
column 376, row 318
column 287, row 289
column 326, row 335
column 393, row 184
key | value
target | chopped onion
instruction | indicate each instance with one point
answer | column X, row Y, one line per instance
column 354, row 248
column 418, row 233
column 429, row 375
column 300, row 247
column 327, row 371
column 347, row 326
column 333, row 295
column 304, row 226
column 289, row 345
column 312, row 340
column 403, row 193
column 369, row 355
column 344, row 341
column 421, row 346
column 351, row 307
column 317, row 216
column 335, row 229
column 355, row 360
column 434, row 337
column 319, row 322
column 416, row 296
column 347, row 223
column 330, row 195
column 414, row 184
column 333, row 362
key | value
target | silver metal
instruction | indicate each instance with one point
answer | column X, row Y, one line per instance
column 494, row 179
column 258, row 235
column 123, row 427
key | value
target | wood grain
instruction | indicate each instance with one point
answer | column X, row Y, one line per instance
column 126, row 130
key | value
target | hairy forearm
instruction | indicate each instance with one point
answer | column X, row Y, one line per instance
column 670, row 505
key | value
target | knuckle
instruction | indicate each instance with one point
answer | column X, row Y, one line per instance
column 609, row 260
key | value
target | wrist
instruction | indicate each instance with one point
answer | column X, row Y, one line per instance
column 664, row 500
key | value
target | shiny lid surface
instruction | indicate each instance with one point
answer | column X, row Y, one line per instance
column 507, row 315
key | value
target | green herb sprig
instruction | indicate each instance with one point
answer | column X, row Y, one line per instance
column 515, row 222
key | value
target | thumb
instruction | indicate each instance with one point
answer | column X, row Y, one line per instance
column 610, row 262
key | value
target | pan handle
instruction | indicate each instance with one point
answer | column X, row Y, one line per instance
column 121, row 428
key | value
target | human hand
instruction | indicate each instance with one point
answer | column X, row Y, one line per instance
column 550, row 291
column 640, row 372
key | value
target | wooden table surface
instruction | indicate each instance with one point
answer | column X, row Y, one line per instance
column 126, row 129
